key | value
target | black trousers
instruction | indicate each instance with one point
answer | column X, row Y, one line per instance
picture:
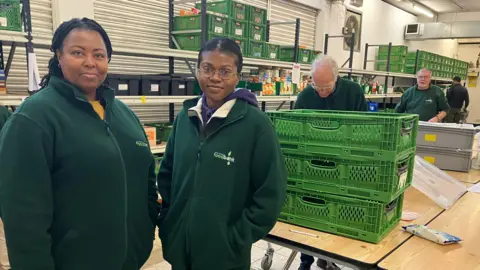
column 307, row 260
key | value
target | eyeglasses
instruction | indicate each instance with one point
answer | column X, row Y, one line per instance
column 222, row 73
column 424, row 77
column 323, row 86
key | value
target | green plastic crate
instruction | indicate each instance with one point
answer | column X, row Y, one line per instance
column 380, row 136
column 271, row 51
column 420, row 63
column 158, row 162
column 215, row 24
column 10, row 14
column 314, row 54
column 394, row 58
column 395, row 50
column 238, row 29
column 193, row 41
column 373, row 180
column 242, row 43
column 411, row 70
column 256, row 32
column 355, row 218
column 394, row 67
column 235, row 10
column 255, row 49
column 163, row 131
column 287, row 54
column 257, row 15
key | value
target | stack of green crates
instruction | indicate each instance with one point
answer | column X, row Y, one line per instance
column 287, row 54
column 257, row 33
column 397, row 58
column 347, row 172
column 440, row 66
column 10, row 12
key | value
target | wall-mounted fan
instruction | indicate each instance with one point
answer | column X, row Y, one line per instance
column 353, row 24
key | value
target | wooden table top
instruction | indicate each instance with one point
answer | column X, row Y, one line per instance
column 415, row 201
column 472, row 177
column 462, row 220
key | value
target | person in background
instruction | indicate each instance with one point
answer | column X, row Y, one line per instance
column 424, row 99
column 328, row 92
column 4, row 263
column 77, row 182
column 223, row 178
column 458, row 98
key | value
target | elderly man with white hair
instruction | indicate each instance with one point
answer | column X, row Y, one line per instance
column 329, row 92
column 424, row 99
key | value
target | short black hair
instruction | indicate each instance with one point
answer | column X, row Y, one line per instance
column 224, row 45
column 57, row 43
column 457, row 79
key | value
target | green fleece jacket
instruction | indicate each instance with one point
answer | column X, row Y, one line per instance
column 4, row 115
column 347, row 96
column 426, row 103
column 77, row 192
column 223, row 184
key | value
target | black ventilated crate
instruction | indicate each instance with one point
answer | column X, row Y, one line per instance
column 125, row 85
column 155, row 85
column 183, row 86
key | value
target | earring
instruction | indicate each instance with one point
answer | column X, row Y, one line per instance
column 59, row 66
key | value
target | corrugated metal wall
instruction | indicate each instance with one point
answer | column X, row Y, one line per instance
column 17, row 81
column 282, row 11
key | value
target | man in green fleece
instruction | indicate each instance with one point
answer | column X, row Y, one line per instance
column 424, row 99
column 330, row 92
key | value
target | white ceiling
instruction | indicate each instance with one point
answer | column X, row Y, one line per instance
column 437, row 6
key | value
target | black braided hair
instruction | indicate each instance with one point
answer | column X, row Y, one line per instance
column 224, row 45
column 57, row 44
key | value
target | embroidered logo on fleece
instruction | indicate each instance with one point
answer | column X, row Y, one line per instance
column 228, row 158
column 141, row 144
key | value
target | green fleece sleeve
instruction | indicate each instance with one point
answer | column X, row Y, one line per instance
column 4, row 115
column 269, row 180
column 165, row 174
column 26, row 199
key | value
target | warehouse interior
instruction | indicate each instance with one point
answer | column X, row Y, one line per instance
column 381, row 45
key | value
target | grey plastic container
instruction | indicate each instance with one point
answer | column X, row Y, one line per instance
column 446, row 136
column 446, row 158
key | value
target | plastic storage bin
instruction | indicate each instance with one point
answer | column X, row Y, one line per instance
column 215, row 24
column 257, row 15
column 255, row 49
column 10, row 15
column 287, row 54
column 394, row 58
column 373, row 180
column 242, row 43
column 124, row 85
column 155, row 85
column 394, row 67
column 454, row 136
column 238, row 29
column 447, row 159
column 234, row 9
column 271, row 51
column 380, row 136
column 183, row 86
column 256, row 32
column 193, row 41
column 163, row 131
column 395, row 50
column 360, row 219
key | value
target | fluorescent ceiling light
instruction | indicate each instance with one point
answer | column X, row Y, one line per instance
column 423, row 11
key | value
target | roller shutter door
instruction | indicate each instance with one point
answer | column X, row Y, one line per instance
column 283, row 10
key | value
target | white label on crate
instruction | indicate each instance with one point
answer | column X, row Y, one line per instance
column 305, row 59
column 256, row 37
column 181, row 86
column 3, row 22
column 154, row 88
column 218, row 30
column 122, row 87
column 238, row 32
column 273, row 55
column 403, row 180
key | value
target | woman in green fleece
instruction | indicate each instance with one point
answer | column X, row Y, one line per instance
column 223, row 176
column 77, row 183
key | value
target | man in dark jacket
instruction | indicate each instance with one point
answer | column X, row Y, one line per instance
column 458, row 98
column 328, row 92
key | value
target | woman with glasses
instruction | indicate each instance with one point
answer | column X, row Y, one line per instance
column 223, row 177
